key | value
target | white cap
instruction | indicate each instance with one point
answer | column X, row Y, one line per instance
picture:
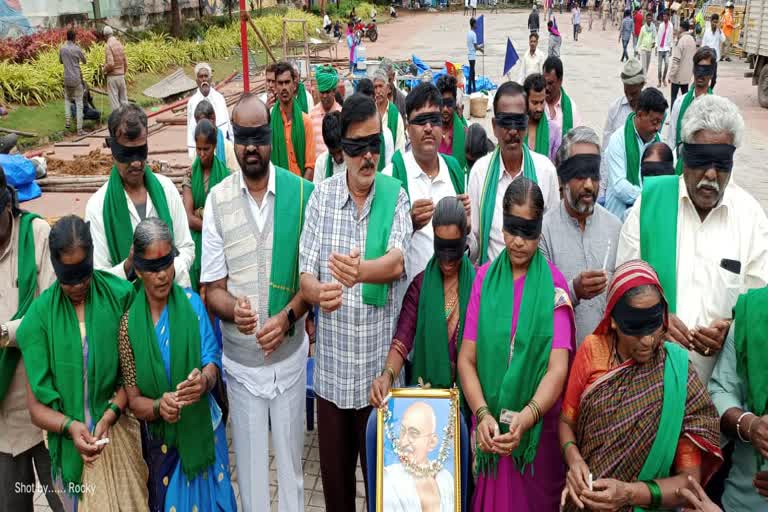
column 107, row 30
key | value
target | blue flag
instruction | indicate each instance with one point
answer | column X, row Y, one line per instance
column 511, row 58
column 479, row 30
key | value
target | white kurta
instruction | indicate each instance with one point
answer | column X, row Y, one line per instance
column 222, row 116
column 400, row 493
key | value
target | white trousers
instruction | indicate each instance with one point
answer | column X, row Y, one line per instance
column 250, row 436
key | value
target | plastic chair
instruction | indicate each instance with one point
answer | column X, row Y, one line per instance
column 370, row 452
column 310, row 394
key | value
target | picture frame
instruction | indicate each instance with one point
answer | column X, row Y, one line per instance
column 418, row 437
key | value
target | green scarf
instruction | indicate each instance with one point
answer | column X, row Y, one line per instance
column 280, row 145
column 662, row 455
column 50, row 341
column 455, row 170
column 567, row 107
column 301, row 98
column 291, row 196
column 117, row 219
column 382, row 155
column 459, row 137
column 488, row 197
column 687, row 100
column 219, row 171
column 386, row 193
column 27, row 284
column 431, row 360
column 632, row 151
column 658, row 231
column 329, row 166
column 751, row 318
column 541, row 145
column 192, row 435
column 510, row 384
column 393, row 115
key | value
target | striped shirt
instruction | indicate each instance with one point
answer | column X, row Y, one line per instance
column 352, row 342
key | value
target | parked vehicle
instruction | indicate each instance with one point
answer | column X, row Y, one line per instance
column 756, row 46
column 369, row 30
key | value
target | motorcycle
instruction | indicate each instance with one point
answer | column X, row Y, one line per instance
column 366, row 30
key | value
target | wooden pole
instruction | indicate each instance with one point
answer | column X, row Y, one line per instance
column 263, row 41
column 18, row 132
column 244, row 45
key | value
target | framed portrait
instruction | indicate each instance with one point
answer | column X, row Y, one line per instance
column 418, row 450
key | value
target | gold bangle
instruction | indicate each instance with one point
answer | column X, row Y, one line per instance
column 391, row 373
column 535, row 405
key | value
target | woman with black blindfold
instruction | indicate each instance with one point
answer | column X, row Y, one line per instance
column 635, row 416
column 431, row 321
column 513, row 363
column 69, row 344
column 171, row 361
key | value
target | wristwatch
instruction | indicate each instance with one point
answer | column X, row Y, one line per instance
column 5, row 336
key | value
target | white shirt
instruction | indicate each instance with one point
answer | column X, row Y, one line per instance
column 713, row 39
column 531, row 64
column 94, row 213
column 736, row 229
column 320, row 168
column 546, row 175
column 222, row 116
column 400, row 138
column 326, row 20
column 420, row 186
column 667, row 39
column 264, row 381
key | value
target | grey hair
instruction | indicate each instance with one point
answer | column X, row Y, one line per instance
column 714, row 113
column 203, row 65
column 386, row 65
column 450, row 212
column 641, row 290
column 380, row 74
column 148, row 232
column 108, row 31
column 578, row 135
column 204, row 110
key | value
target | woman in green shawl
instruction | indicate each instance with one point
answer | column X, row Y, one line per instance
column 432, row 316
column 68, row 340
column 170, row 361
column 513, row 364
column 207, row 171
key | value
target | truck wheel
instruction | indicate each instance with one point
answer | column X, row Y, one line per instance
column 762, row 87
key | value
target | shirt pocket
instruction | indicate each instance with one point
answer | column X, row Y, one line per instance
column 729, row 285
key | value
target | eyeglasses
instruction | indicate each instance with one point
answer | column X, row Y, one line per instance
column 411, row 434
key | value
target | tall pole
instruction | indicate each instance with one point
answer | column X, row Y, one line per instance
column 244, row 45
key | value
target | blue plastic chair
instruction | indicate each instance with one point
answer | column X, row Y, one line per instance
column 310, row 394
column 370, row 452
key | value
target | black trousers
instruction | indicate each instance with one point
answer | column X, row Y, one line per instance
column 17, row 480
column 681, row 88
column 471, row 86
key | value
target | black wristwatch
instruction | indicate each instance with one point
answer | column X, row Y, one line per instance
column 291, row 316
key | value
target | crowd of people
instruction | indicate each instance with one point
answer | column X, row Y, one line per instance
column 609, row 291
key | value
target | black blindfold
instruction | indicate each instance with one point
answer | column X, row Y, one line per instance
column 650, row 169
column 579, row 167
column 433, row 118
column 154, row 265
column 638, row 321
column 127, row 154
column 362, row 145
column 701, row 70
column 705, row 156
column 252, row 135
column 76, row 273
column 511, row 121
column 450, row 249
column 524, row 228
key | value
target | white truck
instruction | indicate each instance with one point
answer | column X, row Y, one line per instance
column 756, row 46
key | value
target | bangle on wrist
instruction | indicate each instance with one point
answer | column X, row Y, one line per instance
column 389, row 371
column 68, row 423
column 63, row 422
column 655, row 491
column 749, row 430
column 738, row 427
column 156, row 408
column 115, row 409
column 566, row 445
column 481, row 413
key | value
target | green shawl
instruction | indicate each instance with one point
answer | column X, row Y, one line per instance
column 280, row 145
column 386, row 192
column 455, row 170
column 291, row 196
column 662, row 455
column 431, row 359
column 488, row 196
column 567, row 106
column 117, row 219
column 542, row 137
column 511, row 383
column 382, row 154
column 393, row 115
column 219, row 171
column 27, row 284
column 751, row 317
column 632, row 151
column 50, row 341
column 658, row 231
column 329, row 166
column 458, row 142
column 192, row 435
column 301, row 97
column 687, row 100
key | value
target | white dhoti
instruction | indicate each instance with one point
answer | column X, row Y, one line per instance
column 400, row 494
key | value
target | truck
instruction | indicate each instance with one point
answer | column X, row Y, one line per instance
column 756, row 46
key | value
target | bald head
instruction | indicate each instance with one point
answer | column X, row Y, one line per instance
column 253, row 145
column 422, row 415
column 417, row 432
column 250, row 111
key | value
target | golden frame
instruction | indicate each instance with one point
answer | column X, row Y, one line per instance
column 450, row 394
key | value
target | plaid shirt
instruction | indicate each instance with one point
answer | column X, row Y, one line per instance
column 353, row 341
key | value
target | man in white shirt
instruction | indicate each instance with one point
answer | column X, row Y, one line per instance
column 132, row 194
column 532, row 60
column 427, row 175
column 557, row 99
column 327, row 25
column 633, row 78
column 206, row 91
column 713, row 38
column 268, row 97
column 716, row 248
column 331, row 161
column 664, row 35
column 262, row 325
column 510, row 160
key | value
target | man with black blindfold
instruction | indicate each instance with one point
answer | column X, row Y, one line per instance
column 25, row 271
column 426, row 176
column 579, row 236
column 704, row 236
column 492, row 174
column 251, row 227
column 134, row 193
column 357, row 232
